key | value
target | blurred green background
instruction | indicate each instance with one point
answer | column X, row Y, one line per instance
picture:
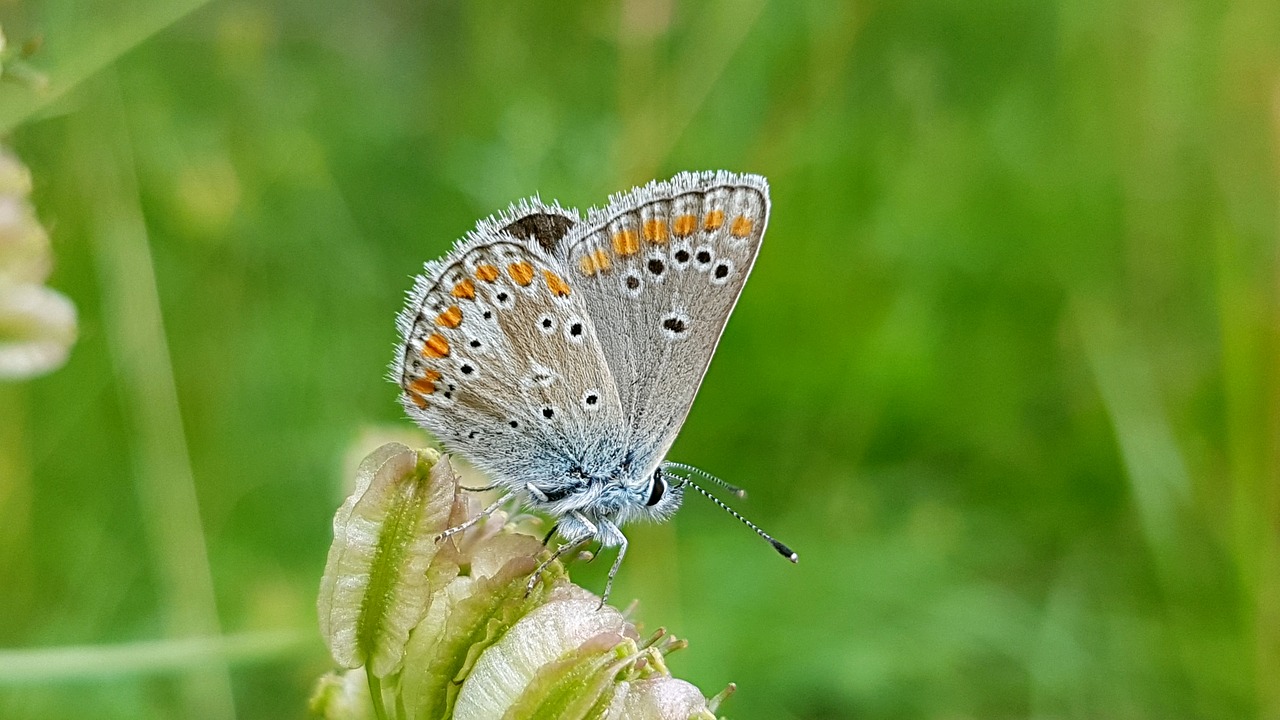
column 1006, row 374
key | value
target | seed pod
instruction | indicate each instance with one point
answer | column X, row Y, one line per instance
column 375, row 586
column 448, row 629
column 37, row 324
column 568, row 619
column 342, row 696
column 25, row 255
column 37, row 329
column 660, row 697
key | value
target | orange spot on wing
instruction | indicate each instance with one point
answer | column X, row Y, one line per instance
column 655, row 231
column 587, row 265
column 521, row 272
column 418, row 400
column 432, row 375
column 742, row 226
column 465, row 289
column 626, row 243
column 556, row 284
column 487, row 273
column 685, row 225
column 713, row 221
column 422, row 386
column 601, row 260
column 436, row 346
column 450, row 318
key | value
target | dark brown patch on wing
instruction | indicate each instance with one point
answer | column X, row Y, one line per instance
column 546, row 228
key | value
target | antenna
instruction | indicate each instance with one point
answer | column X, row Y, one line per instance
column 737, row 491
column 783, row 550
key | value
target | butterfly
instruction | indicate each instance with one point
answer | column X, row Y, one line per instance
column 561, row 355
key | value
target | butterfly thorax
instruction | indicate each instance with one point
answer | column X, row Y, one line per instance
column 600, row 507
column 607, row 490
column 604, row 489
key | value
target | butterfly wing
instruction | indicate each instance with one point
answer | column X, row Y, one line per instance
column 660, row 269
column 500, row 357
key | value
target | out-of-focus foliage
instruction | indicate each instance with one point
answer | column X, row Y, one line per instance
column 1005, row 375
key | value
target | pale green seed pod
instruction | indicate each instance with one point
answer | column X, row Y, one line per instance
column 37, row 329
column 342, row 696
column 25, row 256
column 37, row 324
column 447, row 628
column 375, row 586
column 558, row 628
column 660, row 697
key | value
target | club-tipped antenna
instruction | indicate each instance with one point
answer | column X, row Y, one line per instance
column 782, row 549
column 737, row 491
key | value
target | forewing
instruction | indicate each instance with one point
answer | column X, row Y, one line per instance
column 501, row 361
column 660, row 269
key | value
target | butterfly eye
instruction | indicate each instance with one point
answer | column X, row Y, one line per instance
column 657, row 488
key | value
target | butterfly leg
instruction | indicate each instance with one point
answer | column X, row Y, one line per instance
column 564, row 548
column 622, row 552
column 590, row 532
column 547, row 538
column 470, row 523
